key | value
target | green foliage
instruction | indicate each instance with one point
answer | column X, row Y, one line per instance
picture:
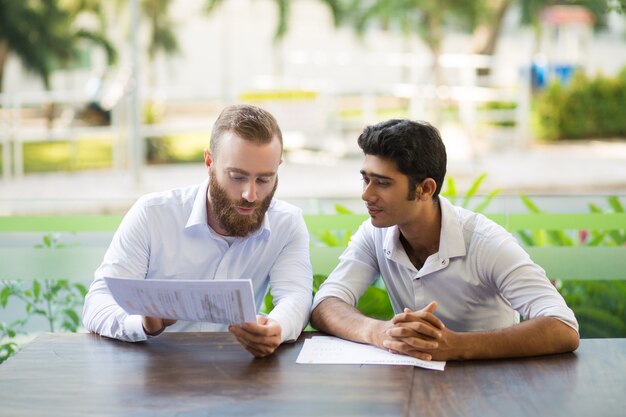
column 47, row 34
column 600, row 306
column 335, row 237
column 586, row 108
column 451, row 193
column 58, row 302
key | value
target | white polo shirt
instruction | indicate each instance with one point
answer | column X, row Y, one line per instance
column 481, row 277
column 166, row 236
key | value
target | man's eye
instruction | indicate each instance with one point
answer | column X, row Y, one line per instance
column 382, row 184
column 238, row 179
column 263, row 180
column 365, row 180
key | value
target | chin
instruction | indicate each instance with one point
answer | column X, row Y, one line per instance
column 379, row 222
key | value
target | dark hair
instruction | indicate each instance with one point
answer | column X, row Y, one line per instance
column 415, row 147
column 248, row 122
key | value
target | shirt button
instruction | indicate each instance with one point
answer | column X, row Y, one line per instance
column 443, row 262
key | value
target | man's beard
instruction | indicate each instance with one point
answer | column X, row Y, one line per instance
column 233, row 223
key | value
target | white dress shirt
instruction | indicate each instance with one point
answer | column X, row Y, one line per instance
column 166, row 236
column 481, row 277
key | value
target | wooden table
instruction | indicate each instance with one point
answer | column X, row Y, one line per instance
column 209, row 374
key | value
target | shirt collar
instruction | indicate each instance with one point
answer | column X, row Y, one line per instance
column 198, row 211
column 451, row 241
column 198, row 215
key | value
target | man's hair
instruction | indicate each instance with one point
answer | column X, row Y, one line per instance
column 415, row 147
column 248, row 122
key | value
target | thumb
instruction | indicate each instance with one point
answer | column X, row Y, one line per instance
column 260, row 319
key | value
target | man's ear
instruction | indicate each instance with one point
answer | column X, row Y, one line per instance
column 208, row 160
column 429, row 186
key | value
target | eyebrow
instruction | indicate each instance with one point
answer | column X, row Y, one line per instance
column 380, row 177
column 246, row 173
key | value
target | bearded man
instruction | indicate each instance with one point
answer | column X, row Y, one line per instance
column 229, row 227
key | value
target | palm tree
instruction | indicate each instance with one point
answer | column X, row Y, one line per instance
column 162, row 37
column 44, row 34
column 283, row 8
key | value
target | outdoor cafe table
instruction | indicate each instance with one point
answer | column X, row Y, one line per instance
column 209, row 374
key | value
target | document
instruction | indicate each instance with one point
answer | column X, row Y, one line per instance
column 225, row 302
column 333, row 350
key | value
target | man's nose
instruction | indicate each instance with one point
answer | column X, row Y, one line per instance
column 367, row 194
column 249, row 193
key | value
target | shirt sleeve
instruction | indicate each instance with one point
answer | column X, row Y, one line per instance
column 291, row 281
column 356, row 271
column 126, row 257
column 522, row 282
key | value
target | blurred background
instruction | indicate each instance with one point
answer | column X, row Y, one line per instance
column 103, row 101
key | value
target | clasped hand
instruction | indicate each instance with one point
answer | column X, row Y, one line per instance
column 418, row 333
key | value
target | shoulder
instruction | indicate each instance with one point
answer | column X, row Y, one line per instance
column 168, row 204
column 476, row 226
column 172, row 197
column 284, row 215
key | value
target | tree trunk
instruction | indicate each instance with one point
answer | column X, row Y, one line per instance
column 486, row 35
column 4, row 55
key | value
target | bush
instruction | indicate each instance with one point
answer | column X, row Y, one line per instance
column 586, row 108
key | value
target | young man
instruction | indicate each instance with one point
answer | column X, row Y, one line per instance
column 229, row 227
column 457, row 281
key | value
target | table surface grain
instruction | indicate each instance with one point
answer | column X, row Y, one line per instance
column 209, row 374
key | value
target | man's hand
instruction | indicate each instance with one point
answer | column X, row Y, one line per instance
column 417, row 333
column 260, row 338
column 154, row 326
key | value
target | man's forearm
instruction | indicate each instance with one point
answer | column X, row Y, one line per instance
column 336, row 317
column 540, row 336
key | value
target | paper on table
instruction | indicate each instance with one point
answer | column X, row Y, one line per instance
column 227, row 302
column 333, row 350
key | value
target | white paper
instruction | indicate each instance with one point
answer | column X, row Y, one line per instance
column 227, row 302
column 333, row 350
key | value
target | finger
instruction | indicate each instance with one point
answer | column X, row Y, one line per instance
column 418, row 316
column 247, row 338
column 169, row 322
column 258, row 350
column 263, row 330
column 405, row 349
column 414, row 329
column 427, row 318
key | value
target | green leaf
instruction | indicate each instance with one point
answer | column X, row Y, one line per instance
column 81, row 289
column 450, row 192
column 375, row 303
column 342, row 209
column 4, row 296
column 615, row 204
column 72, row 316
column 47, row 241
column 530, row 204
column 526, row 238
column 473, row 189
column 594, row 208
column 36, row 289
column 318, row 279
column 483, row 205
column 328, row 238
